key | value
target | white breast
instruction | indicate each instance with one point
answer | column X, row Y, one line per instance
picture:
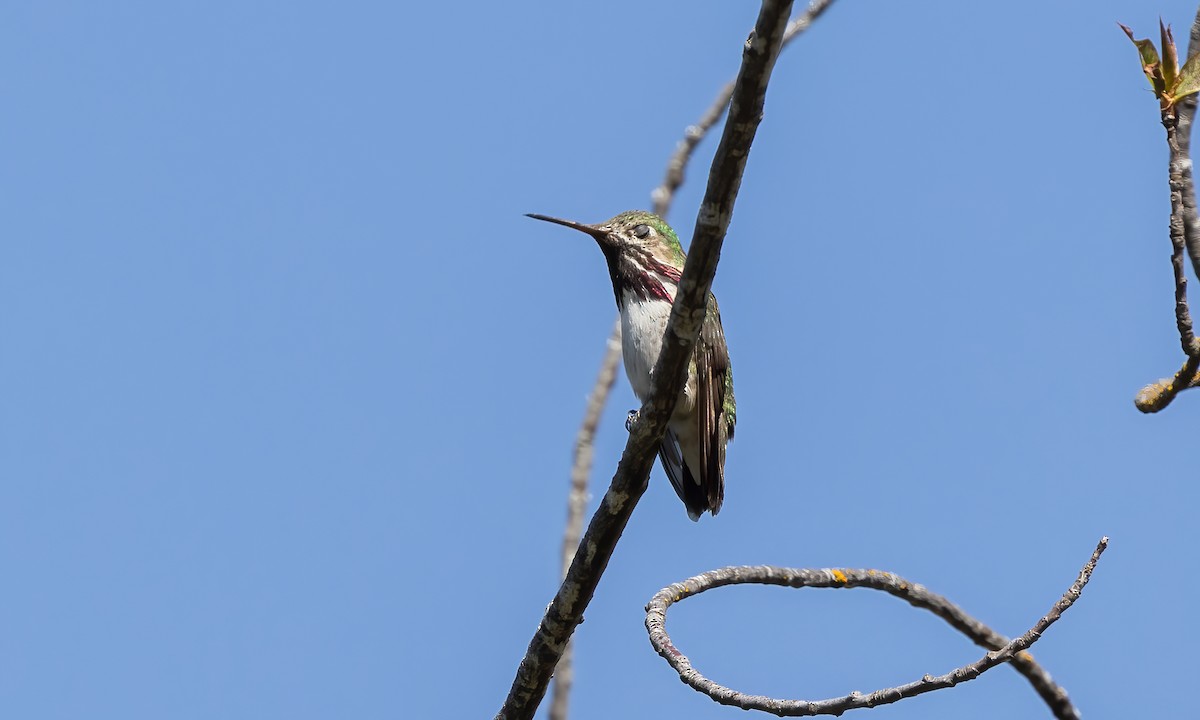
column 643, row 323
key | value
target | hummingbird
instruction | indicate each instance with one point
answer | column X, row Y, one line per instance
column 645, row 262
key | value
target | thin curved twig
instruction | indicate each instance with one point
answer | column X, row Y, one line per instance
column 663, row 195
column 577, row 500
column 565, row 611
column 917, row 595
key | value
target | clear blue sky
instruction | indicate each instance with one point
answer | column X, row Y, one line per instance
column 290, row 385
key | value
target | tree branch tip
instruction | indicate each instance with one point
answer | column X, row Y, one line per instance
column 1158, row 395
column 1091, row 564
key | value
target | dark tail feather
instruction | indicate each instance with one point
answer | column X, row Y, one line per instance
column 695, row 498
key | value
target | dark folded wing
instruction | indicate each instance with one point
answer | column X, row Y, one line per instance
column 712, row 365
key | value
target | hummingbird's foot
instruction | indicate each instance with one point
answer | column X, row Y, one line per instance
column 630, row 419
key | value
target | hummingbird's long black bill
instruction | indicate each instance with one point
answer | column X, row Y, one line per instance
column 594, row 232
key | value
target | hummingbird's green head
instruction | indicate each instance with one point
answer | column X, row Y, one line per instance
column 643, row 252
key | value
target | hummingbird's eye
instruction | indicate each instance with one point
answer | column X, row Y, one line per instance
column 641, row 231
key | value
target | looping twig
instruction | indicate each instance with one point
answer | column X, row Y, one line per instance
column 914, row 594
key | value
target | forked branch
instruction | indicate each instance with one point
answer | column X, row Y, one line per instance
column 1184, row 227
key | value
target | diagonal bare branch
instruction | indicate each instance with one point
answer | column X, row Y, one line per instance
column 566, row 609
column 662, row 198
column 1002, row 650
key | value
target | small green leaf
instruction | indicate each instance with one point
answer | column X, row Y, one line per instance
column 1189, row 79
column 1150, row 64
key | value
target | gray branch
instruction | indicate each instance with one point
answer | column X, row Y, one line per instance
column 566, row 609
column 1178, row 167
column 1002, row 650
